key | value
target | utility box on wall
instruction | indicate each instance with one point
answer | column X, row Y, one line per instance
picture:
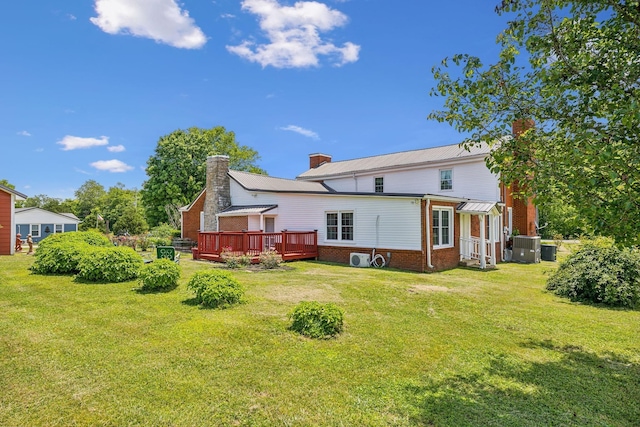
column 526, row 249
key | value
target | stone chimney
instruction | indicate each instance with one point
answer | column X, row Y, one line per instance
column 318, row 159
column 218, row 194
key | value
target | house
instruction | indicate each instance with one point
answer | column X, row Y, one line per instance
column 40, row 223
column 422, row 210
column 8, row 198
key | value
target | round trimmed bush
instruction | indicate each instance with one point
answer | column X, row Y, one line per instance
column 216, row 288
column 60, row 253
column 599, row 272
column 113, row 264
column 316, row 320
column 160, row 275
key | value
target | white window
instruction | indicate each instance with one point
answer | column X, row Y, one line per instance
column 340, row 226
column 442, row 227
column 446, row 179
column 378, row 184
column 35, row 230
column 58, row 228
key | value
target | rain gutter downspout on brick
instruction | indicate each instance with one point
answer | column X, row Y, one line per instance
column 428, row 227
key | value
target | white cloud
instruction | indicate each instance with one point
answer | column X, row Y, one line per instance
column 160, row 20
column 111, row 166
column 24, row 133
column 294, row 35
column 75, row 142
column 116, row 148
column 302, row 131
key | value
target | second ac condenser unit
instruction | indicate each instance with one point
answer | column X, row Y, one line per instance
column 526, row 249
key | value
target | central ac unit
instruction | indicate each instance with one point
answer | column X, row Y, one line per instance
column 526, row 249
column 359, row 260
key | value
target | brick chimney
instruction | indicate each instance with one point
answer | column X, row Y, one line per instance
column 218, row 195
column 524, row 211
column 318, row 159
column 519, row 126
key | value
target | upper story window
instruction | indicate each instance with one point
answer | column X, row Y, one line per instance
column 340, row 226
column 446, row 179
column 379, row 184
column 442, row 227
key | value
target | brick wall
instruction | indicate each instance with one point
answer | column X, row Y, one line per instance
column 401, row 259
column 234, row 223
column 445, row 258
column 191, row 219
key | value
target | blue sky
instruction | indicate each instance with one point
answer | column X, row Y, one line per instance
column 88, row 87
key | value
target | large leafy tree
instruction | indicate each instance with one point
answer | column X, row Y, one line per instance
column 90, row 195
column 573, row 67
column 177, row 170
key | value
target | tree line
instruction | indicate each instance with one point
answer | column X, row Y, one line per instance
column 176, row 174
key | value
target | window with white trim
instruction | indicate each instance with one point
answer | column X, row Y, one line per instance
column 58, row 228
column 442, row 227
column 378, row 184
column 35, row 230
column 340, row 226
column 446, row 179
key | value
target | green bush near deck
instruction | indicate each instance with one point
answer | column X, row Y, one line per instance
column 216, row 288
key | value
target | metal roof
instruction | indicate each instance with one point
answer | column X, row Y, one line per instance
column 246, row 210
column 257, row 182
column 395, row 160
column 475, row 207
column 18, row 194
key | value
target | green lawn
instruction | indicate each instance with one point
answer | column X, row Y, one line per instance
column 459, row 348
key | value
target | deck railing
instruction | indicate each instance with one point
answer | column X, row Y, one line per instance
column 289, row 244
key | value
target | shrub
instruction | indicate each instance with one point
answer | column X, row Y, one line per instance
column 60, row 253
column 160, row 241
column 144, row 243
column 233, row 259
column 270, row 259
column 216, row 288
column 164, row 231
column 315, row 320
column 599, row 272
column 113, row 264
column 160, row 275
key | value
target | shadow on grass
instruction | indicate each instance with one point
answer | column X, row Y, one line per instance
column 192, row 302
column 576, row 388
column 143, row 291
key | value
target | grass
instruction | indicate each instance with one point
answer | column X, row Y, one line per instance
column 458, row 348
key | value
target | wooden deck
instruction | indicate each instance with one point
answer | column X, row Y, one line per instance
column 292, row 245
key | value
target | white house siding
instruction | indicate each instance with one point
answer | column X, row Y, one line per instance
column 398, row 218
column 471, row 180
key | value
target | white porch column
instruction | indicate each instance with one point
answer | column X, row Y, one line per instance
column 492, row 238
column 483, row 245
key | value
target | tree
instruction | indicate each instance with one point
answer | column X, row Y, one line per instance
column 7, row 184
column 579, row 81
column 116, row 201
column 90, row 196
column 177, row 170
column 131, row 221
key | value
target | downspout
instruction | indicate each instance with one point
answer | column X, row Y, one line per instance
column 355, row 179
column 428, row 227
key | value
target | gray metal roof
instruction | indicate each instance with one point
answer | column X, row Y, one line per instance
column 476, row 207
column 18, row 194
column 247, row 210
column 256, row 182
column 394, row 160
